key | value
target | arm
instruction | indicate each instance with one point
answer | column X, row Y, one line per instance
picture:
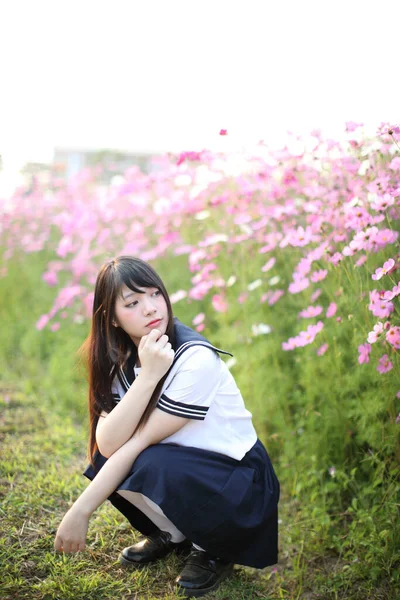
column 116, row 428
column 192, row 390
column 72, row 531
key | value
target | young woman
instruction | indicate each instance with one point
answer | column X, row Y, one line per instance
column 172, row 445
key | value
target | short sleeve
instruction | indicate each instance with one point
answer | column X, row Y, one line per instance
column 194, row 385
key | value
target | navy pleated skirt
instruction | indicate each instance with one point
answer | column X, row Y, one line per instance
column 228, row 507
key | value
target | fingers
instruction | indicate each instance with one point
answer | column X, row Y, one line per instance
column 68, row 547
column 58, row 543
column 153, row 337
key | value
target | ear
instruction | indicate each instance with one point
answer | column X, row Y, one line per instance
column 113, row 322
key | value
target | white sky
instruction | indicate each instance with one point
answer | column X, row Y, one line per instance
column 159, row 75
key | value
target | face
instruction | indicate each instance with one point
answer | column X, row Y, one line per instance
column 137, row 314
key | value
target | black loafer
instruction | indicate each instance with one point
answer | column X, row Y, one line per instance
column 201, row 574
column 151, row 548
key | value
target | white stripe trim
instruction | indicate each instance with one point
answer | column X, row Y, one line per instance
column 182, row 412
column 187, row 408
column 181, row 349
column 128, row 385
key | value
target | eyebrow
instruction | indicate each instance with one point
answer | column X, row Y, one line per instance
column 134, row 293
column 127, row 295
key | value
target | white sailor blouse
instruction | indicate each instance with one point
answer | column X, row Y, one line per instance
column 200, row 387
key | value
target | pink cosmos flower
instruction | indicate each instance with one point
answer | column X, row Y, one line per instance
column 385, row 237
column 188, row 155
column 347, row 251
column 384, row 364
column 50, row 277
column 389, row 129
column 219, row 303
column 42, row 322
column 361, row 261
column 268, row 265
column 307, row 337
column 198, row 319
column 303, row 268
column 64, row 247
column 310, row 311
column 395, row 164
column 275, row 297
column 398, row 394
column 331, row 310
column 177, row 296
column 289, row 345
column 301, row 236
column 363, row 240
column 55, row 327
column 298, row 286
column 381, row 203
column 316, row 295
column 318, row 275
column 364, row 352
column 357, row 218
column 393, row 337
column 352, row 125
column 200, row 290
column 380, row 307
column 88, row 304
column 336, row 258
column 398, row 419
column 374, row 335
column 389, row 295
column 200, row 327
column 322, row 349
column 381, row 271
column 195, row 258
column 223, row 132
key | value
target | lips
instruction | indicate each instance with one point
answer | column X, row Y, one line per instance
column 156, row 322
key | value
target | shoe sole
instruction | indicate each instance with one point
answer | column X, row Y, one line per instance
column 198, row 593
column 130, row 563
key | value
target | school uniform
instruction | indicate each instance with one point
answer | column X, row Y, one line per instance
column 213, row 479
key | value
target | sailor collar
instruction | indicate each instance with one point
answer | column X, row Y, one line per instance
column 185, row 338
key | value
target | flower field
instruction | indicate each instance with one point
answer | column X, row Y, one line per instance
column 290, row 260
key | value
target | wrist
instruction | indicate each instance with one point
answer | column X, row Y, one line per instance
column 148, row 378
column 81, row 507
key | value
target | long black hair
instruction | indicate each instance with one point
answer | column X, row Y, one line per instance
column 107, row 348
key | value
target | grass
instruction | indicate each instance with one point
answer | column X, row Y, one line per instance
column 42, row 460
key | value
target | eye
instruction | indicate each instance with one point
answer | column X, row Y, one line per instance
column 132, row 304
column 157, row 293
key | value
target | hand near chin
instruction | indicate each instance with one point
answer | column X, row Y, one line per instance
column 71, row 534
column 156, row 354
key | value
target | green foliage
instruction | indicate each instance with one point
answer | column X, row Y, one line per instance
column 327, row 422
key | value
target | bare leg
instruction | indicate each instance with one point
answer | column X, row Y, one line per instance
column 154, row 513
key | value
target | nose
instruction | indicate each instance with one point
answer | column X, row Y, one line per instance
column 148, row 307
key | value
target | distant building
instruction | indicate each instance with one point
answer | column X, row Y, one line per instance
column 67, row 162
